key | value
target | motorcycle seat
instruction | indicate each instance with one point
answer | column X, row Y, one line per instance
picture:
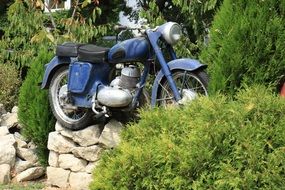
column 92, row 53
column 67, row 49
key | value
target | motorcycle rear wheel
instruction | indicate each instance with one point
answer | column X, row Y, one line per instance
column 194, row 84
column 73, row 118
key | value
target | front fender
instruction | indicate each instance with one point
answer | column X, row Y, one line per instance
column 177, row 64
column 51, row 67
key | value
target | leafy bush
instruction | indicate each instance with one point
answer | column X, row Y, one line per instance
column 246, row 44
column 9, row 85
column 34, row 111
column 26, row 28
column 214, row 143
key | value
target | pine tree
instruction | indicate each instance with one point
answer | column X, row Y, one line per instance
column 34, row 110
column 246, row 45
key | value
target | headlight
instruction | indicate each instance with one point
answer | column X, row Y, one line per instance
column 171, row 32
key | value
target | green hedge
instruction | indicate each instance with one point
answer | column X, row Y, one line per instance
column 246, row 44
column 34, row 110
column 215, row 143
column 9, row 85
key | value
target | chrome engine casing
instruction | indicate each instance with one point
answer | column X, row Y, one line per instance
column 129, row 77
column 119, row 93
column 114, row 97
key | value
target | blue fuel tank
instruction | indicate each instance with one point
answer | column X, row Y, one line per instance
column 135, row 49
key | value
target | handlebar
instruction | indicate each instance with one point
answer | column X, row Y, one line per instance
column 120, row 27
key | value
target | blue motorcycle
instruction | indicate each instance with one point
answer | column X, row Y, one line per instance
column 86, row 81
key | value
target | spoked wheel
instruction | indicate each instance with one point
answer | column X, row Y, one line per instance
column 190, row 86
column 68, row 115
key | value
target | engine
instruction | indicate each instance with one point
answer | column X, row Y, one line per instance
column 119, row 93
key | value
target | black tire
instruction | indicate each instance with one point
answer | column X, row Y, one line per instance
column 196, row 81
column 74, row 119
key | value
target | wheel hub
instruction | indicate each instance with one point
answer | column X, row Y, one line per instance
column 63, row 95
column 64, row 100
column 187, row 96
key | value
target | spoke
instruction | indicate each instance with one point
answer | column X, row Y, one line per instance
column 198, row 87
column 161, row 99
column 164, row 89
column 184, row 80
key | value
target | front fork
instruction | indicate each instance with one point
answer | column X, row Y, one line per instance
column 166, row 71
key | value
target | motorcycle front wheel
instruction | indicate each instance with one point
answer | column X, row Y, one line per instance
column 68, row 115
column 190, row 84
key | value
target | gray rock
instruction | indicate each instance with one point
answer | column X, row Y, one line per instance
column 9, row 120
column 32, row 145
column 30, row 174
column 15, row 109
column 53, row 159
column 4, row 131
column 69, row 161
column 19, row 136
column 85, row 137
column 8, row 139
column 5, row 176
column 27, row 154
column 58, row 127
column 21, row 143
column 2, row 109
column 22, row 165
column 57, row 177
column 90, row 153
column 80, row 180
column 60, row 144
column 91, row 166
column 110, row 136
column 7, row 150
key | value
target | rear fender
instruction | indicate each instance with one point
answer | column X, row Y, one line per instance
column 177, row 64
column 52, row 67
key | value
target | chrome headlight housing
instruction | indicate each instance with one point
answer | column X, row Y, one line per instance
column 171, row 32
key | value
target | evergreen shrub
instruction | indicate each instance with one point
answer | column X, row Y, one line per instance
column 246, row 45
column 9, row 85
column 34, row 111
column 213, row 143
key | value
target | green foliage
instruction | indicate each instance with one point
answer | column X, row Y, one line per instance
column 34, row 110
column 29, row 27
column 26, row 186
column 246, row 45
column 213, row 143
column 19, row 43
column 9, row 84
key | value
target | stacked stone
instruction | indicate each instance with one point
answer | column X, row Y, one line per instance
column 18, row 160
column 74, row 154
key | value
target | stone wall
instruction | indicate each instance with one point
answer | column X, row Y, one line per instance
column 74, row 154
column 72, row 158
column 18, row 161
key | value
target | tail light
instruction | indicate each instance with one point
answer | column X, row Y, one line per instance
column 282, row 92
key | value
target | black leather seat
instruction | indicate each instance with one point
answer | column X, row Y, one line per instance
column 92, row 53
column 67, row 49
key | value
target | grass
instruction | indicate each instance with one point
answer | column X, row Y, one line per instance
column 23, row 186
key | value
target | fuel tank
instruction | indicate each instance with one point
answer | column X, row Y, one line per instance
column 135, row 49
